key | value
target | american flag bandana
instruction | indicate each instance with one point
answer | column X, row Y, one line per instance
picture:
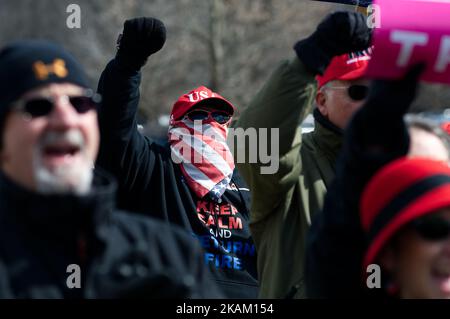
column 203, row 154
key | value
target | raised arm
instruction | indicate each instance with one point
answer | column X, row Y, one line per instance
column 124, row 152
column 286, row 99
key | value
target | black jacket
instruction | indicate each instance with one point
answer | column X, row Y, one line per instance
column 118, row 254
column 151, row 184
column 336, row 242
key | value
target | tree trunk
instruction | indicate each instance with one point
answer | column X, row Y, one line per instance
column 216, row 50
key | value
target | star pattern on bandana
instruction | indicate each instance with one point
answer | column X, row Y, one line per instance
column 218, row 190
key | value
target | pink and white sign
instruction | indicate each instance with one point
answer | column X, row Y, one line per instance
column 412, row 31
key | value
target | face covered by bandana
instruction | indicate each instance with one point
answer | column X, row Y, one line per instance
column 200, row 147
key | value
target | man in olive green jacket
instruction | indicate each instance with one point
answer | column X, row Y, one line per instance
column 283, row 203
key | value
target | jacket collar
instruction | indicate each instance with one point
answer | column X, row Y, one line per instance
column 328, row 136
column 63, row 216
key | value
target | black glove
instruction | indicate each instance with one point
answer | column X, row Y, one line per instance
column 141, row 38
column 339, row 33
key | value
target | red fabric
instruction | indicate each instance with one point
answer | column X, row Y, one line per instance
column 203, row 154
column 387, row 183
column 349, row 66
column 446, row 127
column 187, row 101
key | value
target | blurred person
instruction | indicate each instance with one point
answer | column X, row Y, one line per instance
column 427, row 139
column 191, row 182
column 328, row 69
column 405, row 213
column 56, row 213
column 336, row 241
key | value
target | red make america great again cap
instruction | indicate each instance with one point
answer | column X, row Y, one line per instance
column 349, row 66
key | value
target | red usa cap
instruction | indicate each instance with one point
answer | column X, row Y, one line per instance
column 193, row 98
column 349, row 66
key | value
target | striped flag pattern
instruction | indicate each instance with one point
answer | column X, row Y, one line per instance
column 204, row 156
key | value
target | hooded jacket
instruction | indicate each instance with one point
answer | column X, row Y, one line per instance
column 284, row 203
column 67, row 246
column 150, row 183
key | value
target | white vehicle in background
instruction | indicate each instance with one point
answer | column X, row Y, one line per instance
column 308, row 124
column 438, row 117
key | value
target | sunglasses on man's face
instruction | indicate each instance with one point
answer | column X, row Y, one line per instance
column 203, row 115
column 356, row 92
column 432, row 228
column 43, row 106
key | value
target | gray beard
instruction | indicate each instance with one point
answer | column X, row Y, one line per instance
column 65, row 179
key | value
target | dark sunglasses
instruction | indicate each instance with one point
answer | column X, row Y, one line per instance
column 432, row 228
column 356, row 92
column 202, row 115
column 43, row 106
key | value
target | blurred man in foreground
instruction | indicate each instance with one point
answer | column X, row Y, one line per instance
column 60, row 234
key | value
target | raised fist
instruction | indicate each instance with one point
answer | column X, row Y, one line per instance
column 340, row 32
column 141, row 38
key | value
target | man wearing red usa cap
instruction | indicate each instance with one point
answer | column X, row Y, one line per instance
column 192, row 183
column 284, row 203
column 342, row 88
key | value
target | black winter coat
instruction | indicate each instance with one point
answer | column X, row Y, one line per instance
column 119, row 255
column 150, row 183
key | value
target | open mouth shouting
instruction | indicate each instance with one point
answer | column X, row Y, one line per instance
column 61, row 148
column 441, row 276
